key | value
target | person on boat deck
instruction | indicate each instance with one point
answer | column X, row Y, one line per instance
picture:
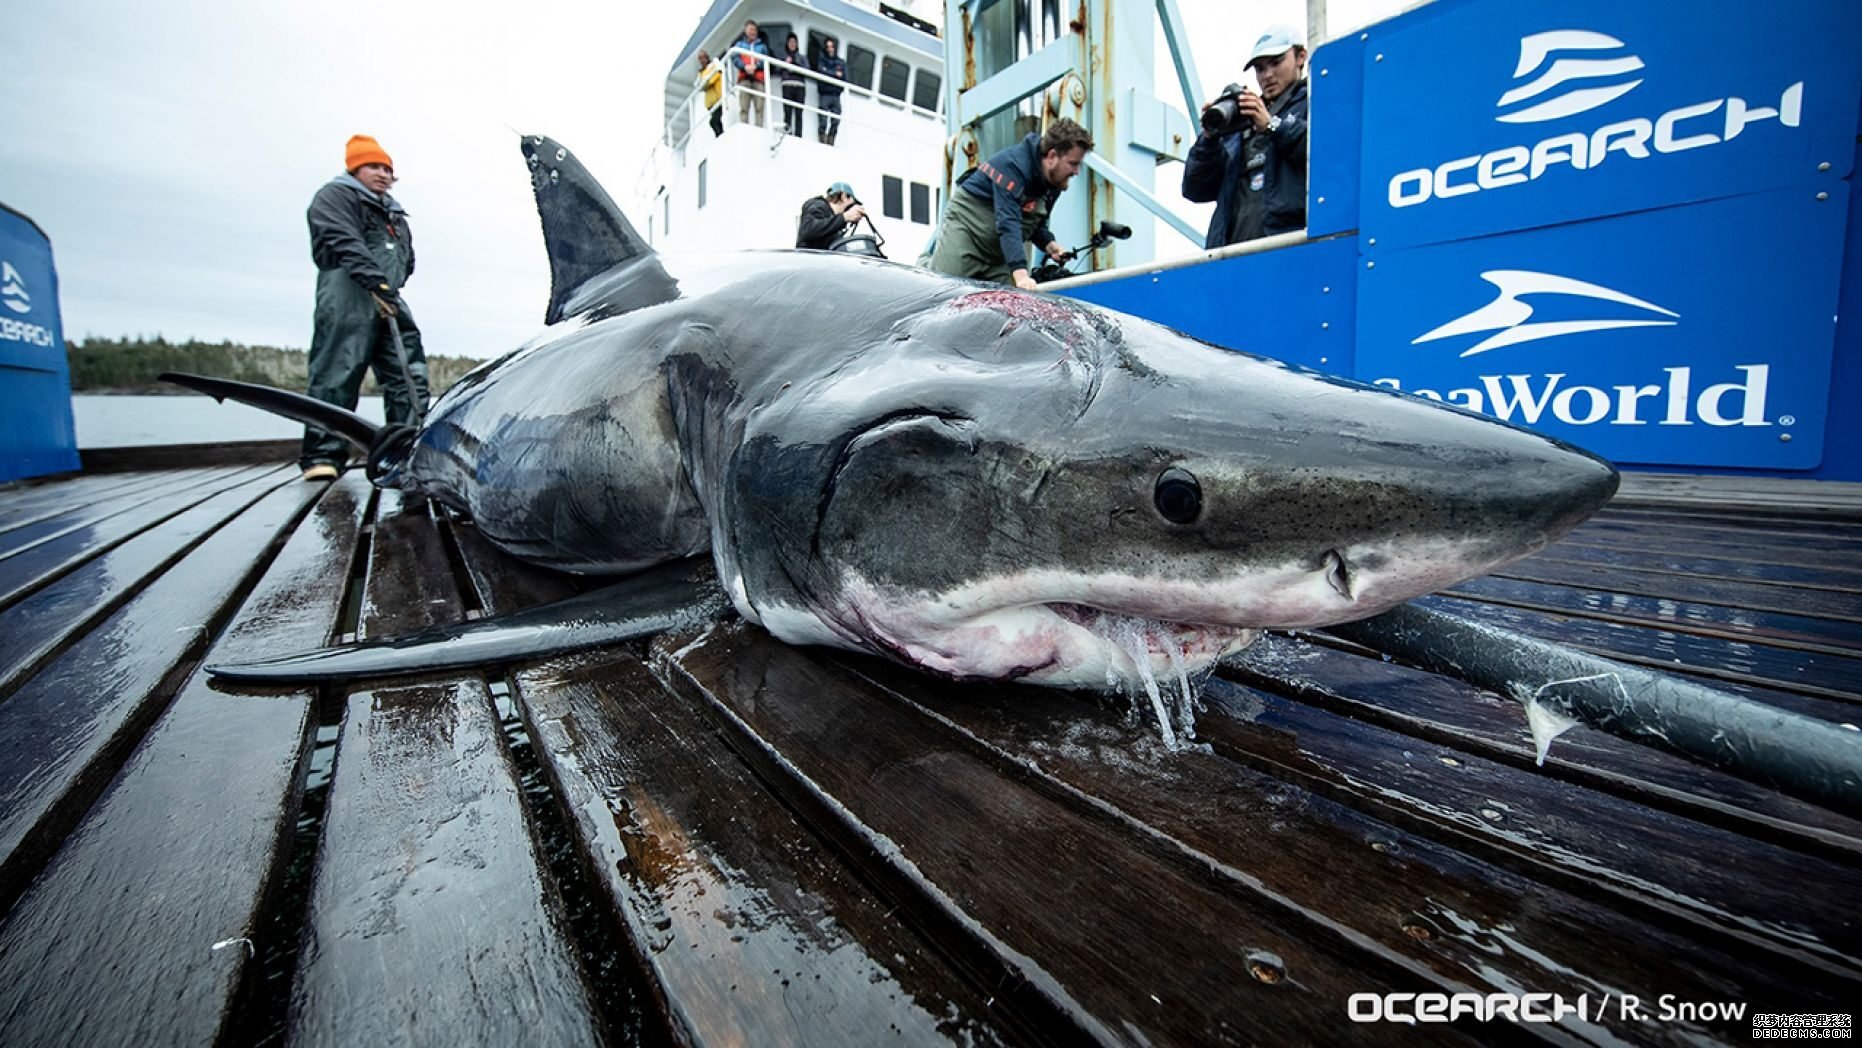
column 752, row 74
column 1003, row 204
column 711, row 78
column 827, row 93
column 1256, row 171
column 794, row 86
column 364, row 251
column 825, row 218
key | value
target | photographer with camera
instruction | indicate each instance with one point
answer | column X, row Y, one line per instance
column 1001, row 205
column 1251, row 156
column 828, row 217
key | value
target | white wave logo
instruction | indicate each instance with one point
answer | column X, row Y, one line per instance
column 13, row 290
column 1508, row 317
column 1535, row 49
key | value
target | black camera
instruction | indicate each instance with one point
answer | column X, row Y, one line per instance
column 1224, row 114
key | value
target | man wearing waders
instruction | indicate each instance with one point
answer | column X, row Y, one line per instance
column 1003, row 203
column 364, row 253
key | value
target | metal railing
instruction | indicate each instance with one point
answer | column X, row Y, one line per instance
column 773, row 97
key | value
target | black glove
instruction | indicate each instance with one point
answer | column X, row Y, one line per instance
column 386, row 301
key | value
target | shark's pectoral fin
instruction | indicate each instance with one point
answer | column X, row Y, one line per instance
column 346, row 424
column 668, row 597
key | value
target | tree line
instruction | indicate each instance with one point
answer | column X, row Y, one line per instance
column 129, row 365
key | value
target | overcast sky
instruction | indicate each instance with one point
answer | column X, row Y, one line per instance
column 170, row 149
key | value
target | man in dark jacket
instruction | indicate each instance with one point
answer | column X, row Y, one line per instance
column 1003, row 204
column 1256, row 171
column 825, row 218
column 364, row 253
column 833, row 70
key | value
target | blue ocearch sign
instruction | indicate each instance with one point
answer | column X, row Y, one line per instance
column 29, row 328
column 1643, row 337
column 1501, row 116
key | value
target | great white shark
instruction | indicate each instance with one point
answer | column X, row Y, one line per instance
column 975, row 481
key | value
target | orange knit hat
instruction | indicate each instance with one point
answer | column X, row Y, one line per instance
column 363, row 149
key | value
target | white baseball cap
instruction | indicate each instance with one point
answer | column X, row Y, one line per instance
column 1277, row 41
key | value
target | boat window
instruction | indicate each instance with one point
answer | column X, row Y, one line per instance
column 892, row 191
column 701, row 183
column 921, row 203
column 893, row 75
column 925, row 93
column 859, row 66
column 665, row 222
column 775, row 34
column 814, row 47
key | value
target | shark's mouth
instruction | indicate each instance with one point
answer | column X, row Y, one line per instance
column 1190, row 642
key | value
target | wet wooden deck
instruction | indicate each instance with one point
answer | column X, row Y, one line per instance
column 715, row 838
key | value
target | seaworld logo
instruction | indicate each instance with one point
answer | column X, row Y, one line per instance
column 1508, row 316
column 1535, row 49
column 1678, row 130
column 1528, row 398
column 13, row 289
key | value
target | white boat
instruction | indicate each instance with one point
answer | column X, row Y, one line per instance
column 744, row 188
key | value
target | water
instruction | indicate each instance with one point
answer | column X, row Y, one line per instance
column 1136, row 636
column 140, row 421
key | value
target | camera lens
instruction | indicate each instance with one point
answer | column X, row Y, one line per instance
column 1222, row 115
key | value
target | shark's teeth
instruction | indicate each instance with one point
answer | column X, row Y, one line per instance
column 1192, row 640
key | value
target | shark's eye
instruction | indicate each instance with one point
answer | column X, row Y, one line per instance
column 1179, row 498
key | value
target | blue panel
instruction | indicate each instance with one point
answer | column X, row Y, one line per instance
column 1503, row 115
column 1333, row 146
column 1651, row 338
column 1293, row 304
column 1842, row 447
column 36, row 431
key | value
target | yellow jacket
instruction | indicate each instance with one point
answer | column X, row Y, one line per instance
column 713, row 79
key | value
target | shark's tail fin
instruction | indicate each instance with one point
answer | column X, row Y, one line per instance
column 587, row 236
column 385, row 447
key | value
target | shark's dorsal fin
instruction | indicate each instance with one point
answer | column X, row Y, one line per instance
column 587, row 236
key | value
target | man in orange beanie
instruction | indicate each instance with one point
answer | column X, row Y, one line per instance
column 364, row 253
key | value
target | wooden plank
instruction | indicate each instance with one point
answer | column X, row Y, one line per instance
column 32, row 568
column 1658, row 564
column 32, row 630
column 1803, row 672
column 198, row 820
column 1080, row 919
column 1473, row 922
column 429, row 919
column 1733, row 544
column 167, row 456
column 1774, row 527
column 1449, row 712
column 1680, row 613
column 22, row 507
column 71, row 518
column 1741, row 494
column 1784, row 907
column 64, row 732
column 751, row 929
column 746, row 925
column 1784, row 610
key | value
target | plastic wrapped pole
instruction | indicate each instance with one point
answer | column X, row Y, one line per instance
column 1809, row 758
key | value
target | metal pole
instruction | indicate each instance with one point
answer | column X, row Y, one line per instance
column 414, row 398
column 1315, row 24
column 1809, row 758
